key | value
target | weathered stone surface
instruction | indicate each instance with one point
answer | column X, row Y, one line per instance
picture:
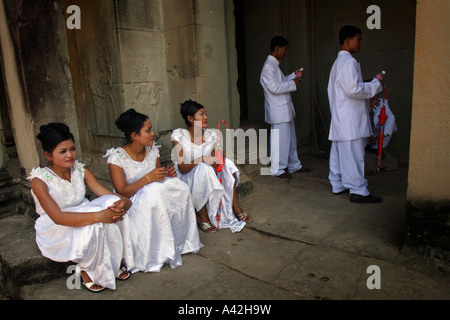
column 428, row 229
column 22, row 262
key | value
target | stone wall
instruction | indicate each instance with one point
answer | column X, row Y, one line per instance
column 149, row 55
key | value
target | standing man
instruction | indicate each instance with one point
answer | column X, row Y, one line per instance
column 280, row 112
column 350, row 125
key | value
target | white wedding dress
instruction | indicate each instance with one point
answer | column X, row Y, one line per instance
column 97, row 248
column 161, row 222
column 203, row 182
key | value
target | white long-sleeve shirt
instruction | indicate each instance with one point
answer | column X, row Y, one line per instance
column 277, row 92
column 349, row 99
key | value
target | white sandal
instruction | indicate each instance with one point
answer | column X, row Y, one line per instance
column 89, row 285
column 121, row 272
column 242, row 216
column 207, row 225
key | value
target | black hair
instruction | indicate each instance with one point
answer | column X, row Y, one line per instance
column 130, row 121
column 52, row 134
column 278, row 41
column 348, row 32
column 189, row 108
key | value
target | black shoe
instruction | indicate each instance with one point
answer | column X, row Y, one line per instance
column 284, row 175
column 364, row 199
column 302, row 169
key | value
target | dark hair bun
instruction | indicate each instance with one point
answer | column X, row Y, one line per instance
column 130, row 121
column 52, row 134
column 122, row 122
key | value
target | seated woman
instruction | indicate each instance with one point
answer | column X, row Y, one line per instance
column 162, row 219
column 70, row 227
column 196, row 162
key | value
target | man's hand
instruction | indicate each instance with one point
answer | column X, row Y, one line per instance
column 372, row 140
column 374, row 102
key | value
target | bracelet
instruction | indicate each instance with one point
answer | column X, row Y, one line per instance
column 149, row 181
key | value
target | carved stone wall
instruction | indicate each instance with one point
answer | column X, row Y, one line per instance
column 148, row 55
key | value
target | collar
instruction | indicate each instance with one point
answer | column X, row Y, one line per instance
column 344, row 52
column 274, row 59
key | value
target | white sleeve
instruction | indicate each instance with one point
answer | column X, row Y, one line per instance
column 348, row 80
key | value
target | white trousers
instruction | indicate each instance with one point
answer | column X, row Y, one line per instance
column 283, row 148
column 347, row 167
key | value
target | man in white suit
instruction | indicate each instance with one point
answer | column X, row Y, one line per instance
column 279, row 111
column 350, row 124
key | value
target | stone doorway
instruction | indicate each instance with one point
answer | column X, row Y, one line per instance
column 312, row 28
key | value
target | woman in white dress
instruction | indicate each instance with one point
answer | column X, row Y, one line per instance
column 162, row 219
column 195, row 164
column 70, row 227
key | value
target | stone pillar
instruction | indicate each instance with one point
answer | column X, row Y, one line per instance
column 20, row 117
column 428, row 214
column 37, row 77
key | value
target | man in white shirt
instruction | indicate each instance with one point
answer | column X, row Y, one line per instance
column 279, row 111
column 350, row 124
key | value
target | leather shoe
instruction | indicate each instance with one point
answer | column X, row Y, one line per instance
column 364, row 199
column 302, row 169
column 284, row 175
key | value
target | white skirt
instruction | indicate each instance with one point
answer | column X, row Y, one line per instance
column 97, row 248
column 206, row 189
column 162, row 226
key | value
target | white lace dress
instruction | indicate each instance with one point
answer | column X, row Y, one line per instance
column 203, row 182
column 97, row 248
column 161, row 221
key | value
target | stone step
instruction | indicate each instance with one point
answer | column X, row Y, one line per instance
column 245, row 187
column 21, row 262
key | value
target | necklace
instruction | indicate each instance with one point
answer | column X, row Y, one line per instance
column 134, row 156
column 66, row 175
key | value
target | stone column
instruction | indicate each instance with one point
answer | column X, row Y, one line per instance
column 37, row 77
column 428, row 195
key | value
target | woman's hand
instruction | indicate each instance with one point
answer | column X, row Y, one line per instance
column 122, row 205
column 120, row 208
column 111, row 215
column 170, row 171
column 212, row 161
column 157, row 174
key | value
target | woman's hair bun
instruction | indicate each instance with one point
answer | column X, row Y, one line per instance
column 52, row 134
